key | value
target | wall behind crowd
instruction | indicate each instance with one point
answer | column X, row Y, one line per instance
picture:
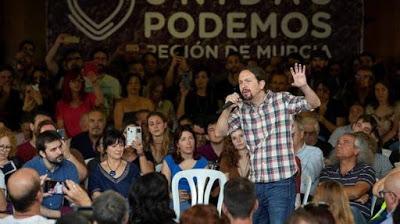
column 20, row 19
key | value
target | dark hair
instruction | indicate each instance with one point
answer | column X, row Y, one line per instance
column 235, row 54
column 367, row 54
column 7, row 68
column 112, row 137
column 149, row 200
column 44, row 123
column 21, row 45
column 320, row 213
column 258, row 72
column 367, row 118
column 211, row 120
column 185, row 117
column 166, row 135
column 391, row 93
column 97, row 50
column 46, row 137
column 300, row 215
column 69, row 51
column 26, row 198
column 318, row 54
column 110, row 208
column 200, row 214
column 124, row 91
column 73, row 218
column 240, row 197
column 178, row 134
column 66, row 90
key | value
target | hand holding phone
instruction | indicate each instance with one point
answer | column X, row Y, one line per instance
column 53, row 187
column 133, row 133
column 71, row 40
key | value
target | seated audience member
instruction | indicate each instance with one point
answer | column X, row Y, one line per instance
column 159, row 141
column 85, row 142
column 8, row 162
column 75, row 102
column 51, row 162
column 391, row 194
column 333, row 194
column 183, row 158
column 198, row 128
column 110, row 208
column 113, row 173
column 134, row 153
column 27, row 150
column 132, row 102
column 149, row 200
column 350, row 167
column 355, row 111
column 156, row 90
column 240, row 200
column 215, row 146
column 235, row 159
column 199, row 214
column 70, row 154
column 301, row 216
column 331, row 113
column 311, row 132
column 26, row 196
column 311, row 158
column 11, row 104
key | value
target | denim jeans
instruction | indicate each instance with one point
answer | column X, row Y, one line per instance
column 358, row 216
column 276, row 201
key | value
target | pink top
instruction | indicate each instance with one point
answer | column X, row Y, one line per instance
column 72, row 115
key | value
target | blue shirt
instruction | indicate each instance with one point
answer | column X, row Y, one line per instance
column 312, row 162
column 175, row 168
column 100, row 180
column 361, row 172
column 65, row 171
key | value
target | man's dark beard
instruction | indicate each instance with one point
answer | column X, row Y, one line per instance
column 56, row 162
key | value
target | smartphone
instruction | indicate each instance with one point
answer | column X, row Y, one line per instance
column 179, row 51
column 8, row 168
column 54, row 187
column 132, row 48
column 133, row 133
column 61, row 132
column 35, row 87
column 186, row 81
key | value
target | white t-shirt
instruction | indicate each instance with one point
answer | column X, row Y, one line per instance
column 2, row 181
column 30, row 220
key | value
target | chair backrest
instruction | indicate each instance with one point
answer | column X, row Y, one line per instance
column 307, row 190
column 201, row 182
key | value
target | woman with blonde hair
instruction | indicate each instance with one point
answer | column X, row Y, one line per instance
column 332, row 193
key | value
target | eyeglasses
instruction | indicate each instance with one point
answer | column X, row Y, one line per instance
column 5, row 147
column 382, row 193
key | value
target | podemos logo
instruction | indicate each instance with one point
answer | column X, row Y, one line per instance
column 104, row 29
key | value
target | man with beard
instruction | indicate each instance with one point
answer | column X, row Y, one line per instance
column 318, row 66
column 266, row 119
column 228, row 83
column 85, row 142
column 51, row 162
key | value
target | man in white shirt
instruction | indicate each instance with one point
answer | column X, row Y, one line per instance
column 311, row 158
column 26, row 196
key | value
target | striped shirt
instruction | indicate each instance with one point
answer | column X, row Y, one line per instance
column 361, row 172
column 267, row 130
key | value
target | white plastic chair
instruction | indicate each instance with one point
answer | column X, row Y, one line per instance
column 201, row 189
column 307, row 190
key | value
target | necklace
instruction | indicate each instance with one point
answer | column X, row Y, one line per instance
column 113, row 172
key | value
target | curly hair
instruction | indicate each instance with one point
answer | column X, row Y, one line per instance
column 5, row 132
column 149, row 200
column 230, row 153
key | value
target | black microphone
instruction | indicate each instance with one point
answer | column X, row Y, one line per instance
column 226, row 105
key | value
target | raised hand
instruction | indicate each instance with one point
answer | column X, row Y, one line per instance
column 299, row 75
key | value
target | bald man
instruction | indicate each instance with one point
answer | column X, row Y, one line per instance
column 391, row 194
column 26, row 196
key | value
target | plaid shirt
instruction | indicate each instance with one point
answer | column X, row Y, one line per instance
column 267, row 130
